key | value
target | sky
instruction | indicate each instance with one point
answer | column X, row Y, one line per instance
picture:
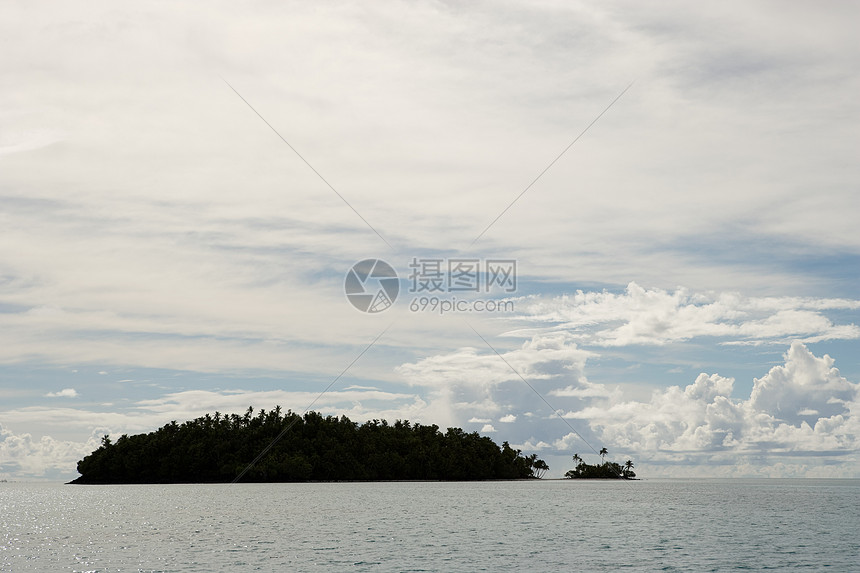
column 183, row 192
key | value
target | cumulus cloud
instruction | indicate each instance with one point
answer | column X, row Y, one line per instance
column 24, row 455
column 803, row 407
column 64, row 393
column 477, row 384
column 804, row 389
column 800, row 410
column 700, row 416
column 652, row 316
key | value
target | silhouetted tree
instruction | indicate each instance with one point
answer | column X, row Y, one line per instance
column 628, row 469
column 218, row 448
column 606, row 470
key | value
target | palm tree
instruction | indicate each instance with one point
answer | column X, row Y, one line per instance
column 628, row 466
column 540, row 467
column 576, row 459
column 603, row 453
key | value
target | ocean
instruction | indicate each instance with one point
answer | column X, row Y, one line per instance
column 551, row 525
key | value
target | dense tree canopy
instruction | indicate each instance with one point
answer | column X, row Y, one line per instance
column 606, row 470
column 219, row 448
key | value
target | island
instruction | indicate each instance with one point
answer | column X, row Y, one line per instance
column 275, row 447
column 604, row 470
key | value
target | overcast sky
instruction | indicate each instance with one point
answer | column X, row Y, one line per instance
column 686, row 271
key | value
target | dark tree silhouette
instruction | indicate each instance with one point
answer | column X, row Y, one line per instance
column 221, row 447
column 538, row 466
column 606, row 470
column 628, row 469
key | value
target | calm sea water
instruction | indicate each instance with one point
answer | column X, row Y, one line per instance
column 653, row 525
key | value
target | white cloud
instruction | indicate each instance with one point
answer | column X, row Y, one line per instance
column 64, row 393
column 800, row 410
column 806, row 388
column 472, row 384
column 23, row 455
column 542, row 357
column 641, row 316
column 804, row 407
column 204, row 245
column 532, row 445
column 583, row 389
column 199, row 224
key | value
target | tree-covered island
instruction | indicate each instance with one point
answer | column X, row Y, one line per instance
column 219, row 448
column 604, row 470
